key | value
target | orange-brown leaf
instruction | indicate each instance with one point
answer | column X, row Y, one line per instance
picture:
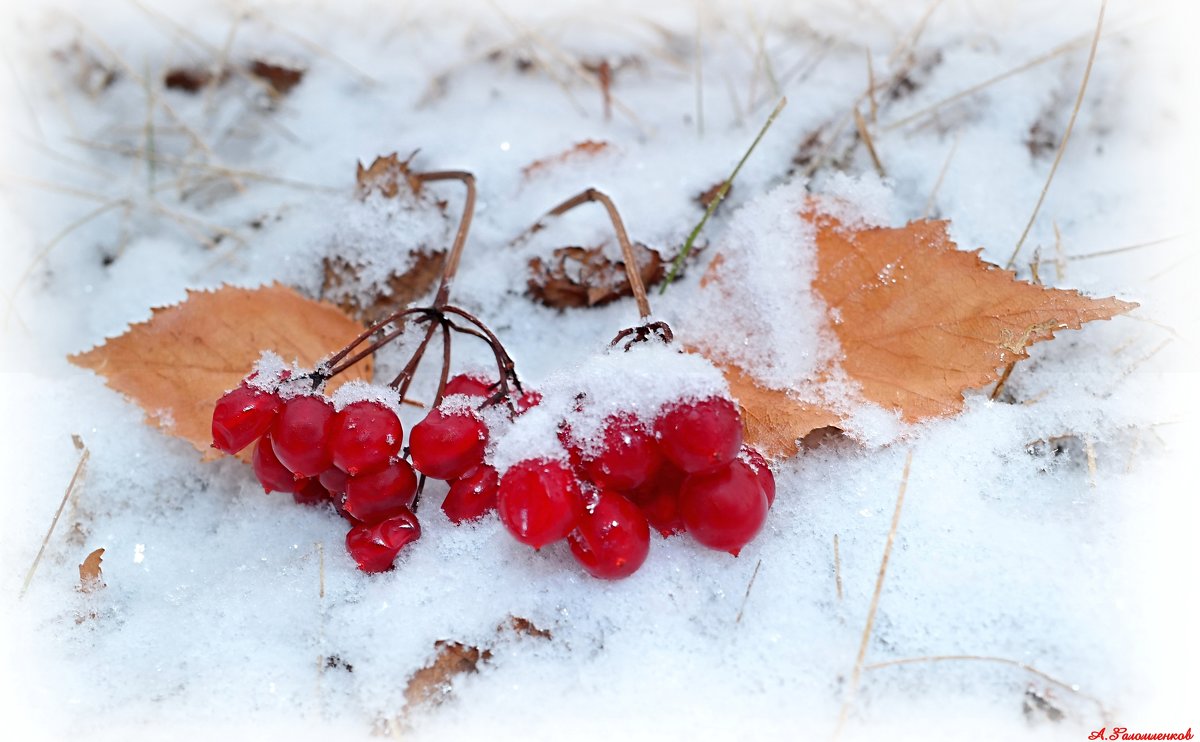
column 919, row 322
column 773, row 421
column 584, row 150
column 90, row 576
column 179, row 362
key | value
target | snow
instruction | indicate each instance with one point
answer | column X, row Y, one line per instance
column 1051, row 527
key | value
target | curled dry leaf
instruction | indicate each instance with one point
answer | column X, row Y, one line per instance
column 385, row 175
column 584, row 277
column 919, row 322
column 91, row 578
column 180, row 361
column 581, row 151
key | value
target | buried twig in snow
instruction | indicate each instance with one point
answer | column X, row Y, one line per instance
column 866, row 635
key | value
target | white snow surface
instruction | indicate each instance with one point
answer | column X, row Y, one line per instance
column 1052, row 528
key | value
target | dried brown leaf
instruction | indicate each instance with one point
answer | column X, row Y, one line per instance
column 433, row 683
column 180, row 361
column 581, row 151
column 385, row 175
column 584, row 277
column 707, row 197
column 91, row 578
column 280, row 77
column 187, row 79
column 403, row 288
column 919, row 322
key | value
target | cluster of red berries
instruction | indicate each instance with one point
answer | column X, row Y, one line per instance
column 449, row 444
column 686, row 470
column 347, row 457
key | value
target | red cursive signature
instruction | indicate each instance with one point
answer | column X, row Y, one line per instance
column 1123, row 733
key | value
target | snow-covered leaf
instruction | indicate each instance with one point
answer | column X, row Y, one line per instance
column 919, row 322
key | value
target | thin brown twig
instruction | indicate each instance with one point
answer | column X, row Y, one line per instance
column 856, row 675
column 1062, row 146
column 1003, row 378
column 83, row 459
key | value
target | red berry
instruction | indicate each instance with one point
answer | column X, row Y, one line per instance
column 765, row 478
column 374, row 547
column 364, row 437
column 312, row 493
column 539, row 501
column 659, row 500
column 300, row 435
column 527, row 401
column 472, row 386
column 271, row 473
column 723, row 509
column 334, row 480
column 378, row 495
column 628, row 455
column 446, row 445
column 472, row 494
column 569, row 444
column 612, row 537
column 242, row 416
column 700, row 436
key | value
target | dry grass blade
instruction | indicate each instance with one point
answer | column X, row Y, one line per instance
column 746, row 597
column 83, row 459
column 1125, row 249
column 980, row 86
column 865, row 135
column 837, row 566
column 1062, row 147
column 937, row 186
column 856, row 675
column 716, row 201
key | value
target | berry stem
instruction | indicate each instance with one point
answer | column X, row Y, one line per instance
column 464, row 226
column 631, row 265
column 453, row 258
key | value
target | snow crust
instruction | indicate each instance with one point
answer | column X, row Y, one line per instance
column 1052, row 527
